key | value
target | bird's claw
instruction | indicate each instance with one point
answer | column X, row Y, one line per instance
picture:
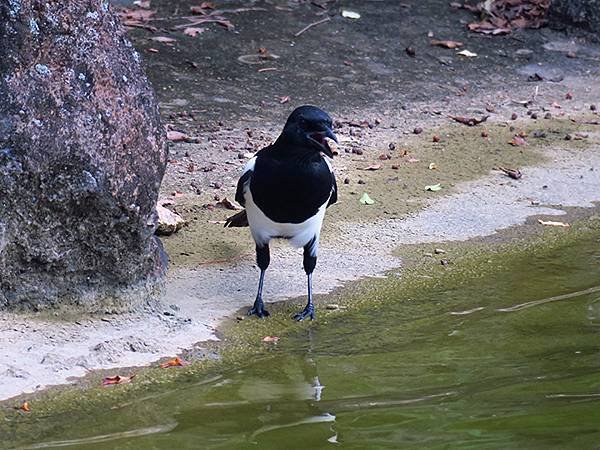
column 309, row 311
column 259, row 310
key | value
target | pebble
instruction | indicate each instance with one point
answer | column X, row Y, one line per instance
column 513, row 116
column 332, row 306
column 439, row 251
column 548, row 116
column 418, row 130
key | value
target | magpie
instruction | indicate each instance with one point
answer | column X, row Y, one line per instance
column 285, row 189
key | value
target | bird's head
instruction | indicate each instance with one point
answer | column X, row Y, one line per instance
column 308, row 127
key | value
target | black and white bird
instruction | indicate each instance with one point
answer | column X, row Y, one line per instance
column 285, row 190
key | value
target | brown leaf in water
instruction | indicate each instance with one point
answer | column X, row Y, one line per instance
column 175, row 362
column 25, row 407
column 446, row 43
column 117, row 379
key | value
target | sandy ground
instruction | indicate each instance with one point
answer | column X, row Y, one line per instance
column 44, row 353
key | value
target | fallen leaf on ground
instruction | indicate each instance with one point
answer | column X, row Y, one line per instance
column 470, row 121
column 446, row 44
column 117, row 379
column 136, row 14
column 163, row 39
column 372, row 167
column 518, row 141
column 193, row 31
column 176, row 136
column 270, row 339
column 515, row 174
column 467, row 53
column 434, row 187
column 25, row 407
column 177, row 361
column 350, row 14
column 552, row 223
column 366, row 200
column 227, row 204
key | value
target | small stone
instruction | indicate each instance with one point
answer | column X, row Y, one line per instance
column 568, row 137
column 410, row 51
column 571, row 55
column 427, row 254
column 444, row 262
column 534, row 116
column 418, row 130
column 568, row 96
column 384, row 157
column 548, row 116
column 332, row 306
column 395, row 166
column 391, row 146
column 439, row 251
column 239, row 318
column 513, row 116
column 346, row 180
column 484, row 134
column 593, row 107
column 436, row 138
column 361, row 181
column 535, row 202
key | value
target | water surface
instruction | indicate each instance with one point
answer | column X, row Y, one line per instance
column 503, row 361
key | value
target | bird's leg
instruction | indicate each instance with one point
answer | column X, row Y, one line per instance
column 262, row 260
column 310, row 261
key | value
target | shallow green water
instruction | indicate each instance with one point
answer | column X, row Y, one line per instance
column 463, row 367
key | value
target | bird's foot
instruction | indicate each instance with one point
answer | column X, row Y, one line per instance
column 309, row 311
column 258, row 309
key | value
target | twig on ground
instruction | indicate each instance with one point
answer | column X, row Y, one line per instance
column 310, row 25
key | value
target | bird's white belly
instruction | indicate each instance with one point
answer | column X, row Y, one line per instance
column 264, row 229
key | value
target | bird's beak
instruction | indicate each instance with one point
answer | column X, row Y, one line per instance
column 326, row 149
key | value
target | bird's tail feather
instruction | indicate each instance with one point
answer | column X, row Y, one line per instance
column 237, row 220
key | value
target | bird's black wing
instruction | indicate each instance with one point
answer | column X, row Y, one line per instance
column 333, row 198
column 239, row 192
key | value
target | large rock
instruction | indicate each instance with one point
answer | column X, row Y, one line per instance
column 584, row 14
column 82, row 156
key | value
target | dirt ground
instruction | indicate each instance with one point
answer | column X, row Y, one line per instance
column 213, row 89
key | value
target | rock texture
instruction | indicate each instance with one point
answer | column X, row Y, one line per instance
column 82, row 155
column 583, row 14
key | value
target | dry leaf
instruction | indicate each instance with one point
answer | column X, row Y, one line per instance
column 25, row 407
column 518, row 141
column 177, row 361
column 117, row 379
column 470, row 121
column 467, row 53
column 446, row 44
column 136, row 14
column 552, row 223
column 227, row 204
column 272, row 339
column 163, row 39
column 371, row 167
column 176, row 136
column 350, row 14
column 193, row 31
column 515, row 174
